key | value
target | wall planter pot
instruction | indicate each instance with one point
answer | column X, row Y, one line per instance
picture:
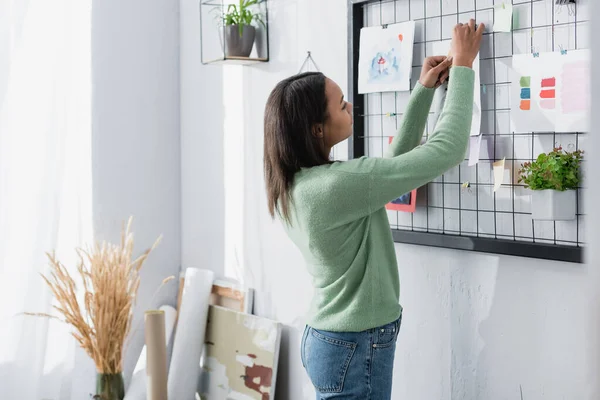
column 236, row 44
column 553, row 205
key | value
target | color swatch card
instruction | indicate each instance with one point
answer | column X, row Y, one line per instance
column 385, row 57
column 550, row 92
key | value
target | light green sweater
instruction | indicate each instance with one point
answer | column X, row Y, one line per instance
column 338, row 217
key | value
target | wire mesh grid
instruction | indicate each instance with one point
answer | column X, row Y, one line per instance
column 446, row 206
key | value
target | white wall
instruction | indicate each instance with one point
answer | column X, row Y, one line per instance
column 202, row 169
column 592, row 326
column 136, row 140
column 475, row 326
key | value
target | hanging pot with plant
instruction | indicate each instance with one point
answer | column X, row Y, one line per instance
column 238, row 31
column 553, row 179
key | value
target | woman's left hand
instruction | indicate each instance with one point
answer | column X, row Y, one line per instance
column 435, row 71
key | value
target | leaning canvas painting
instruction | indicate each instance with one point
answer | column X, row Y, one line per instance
column 385, row 59
column 240, row 356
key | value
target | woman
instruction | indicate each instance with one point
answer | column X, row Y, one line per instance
column 335, row 211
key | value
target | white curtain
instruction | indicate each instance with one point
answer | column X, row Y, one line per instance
column 45, row 183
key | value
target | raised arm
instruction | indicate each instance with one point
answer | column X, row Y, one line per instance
column 434, row 73
column 448, row 145
column 413, row 122
column 395, row 176
column 364, row 185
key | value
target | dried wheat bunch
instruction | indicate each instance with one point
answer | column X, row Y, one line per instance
column 101, row 315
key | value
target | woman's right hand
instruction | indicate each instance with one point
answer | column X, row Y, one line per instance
column 466, row 41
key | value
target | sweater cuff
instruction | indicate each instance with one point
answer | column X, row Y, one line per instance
column 462, row 73
column 424, row 92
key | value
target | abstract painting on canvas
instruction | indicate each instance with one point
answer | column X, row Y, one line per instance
column 385, row 58
column 240, row 356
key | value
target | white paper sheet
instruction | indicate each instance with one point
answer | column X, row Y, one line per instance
column 551, row 93
column 184, row 370
column 385, row 58
column 474, row 149
column 503, row 14
column 137, row 388
column 442, row 48
column 499, row 173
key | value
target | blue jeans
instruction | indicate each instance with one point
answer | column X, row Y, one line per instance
column 351, row 365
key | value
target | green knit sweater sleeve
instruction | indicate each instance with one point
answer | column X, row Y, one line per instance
column 374, row 182
column 413, row 122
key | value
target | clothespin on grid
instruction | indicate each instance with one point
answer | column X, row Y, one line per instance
column 534, row 50
column 571, row 4
column 306, row 61
column 466, row 186
column 563, row 51
column 391, row 114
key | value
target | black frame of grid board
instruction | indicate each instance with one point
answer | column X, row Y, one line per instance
column 496, row 245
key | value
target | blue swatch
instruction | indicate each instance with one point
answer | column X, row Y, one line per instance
column 525, row 93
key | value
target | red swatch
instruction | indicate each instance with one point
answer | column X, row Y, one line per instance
column 525, row 105
column 548, row 94
column 549, row 82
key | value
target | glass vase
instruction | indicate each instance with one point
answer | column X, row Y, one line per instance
column 109, row 387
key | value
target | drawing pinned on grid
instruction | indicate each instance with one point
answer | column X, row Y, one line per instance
column 385, row 58
column 551, row 93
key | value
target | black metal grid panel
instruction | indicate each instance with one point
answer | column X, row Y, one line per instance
column 475, row 218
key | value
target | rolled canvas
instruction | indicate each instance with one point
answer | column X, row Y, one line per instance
column 137, row 388
column 156, row 364
column 184, row 370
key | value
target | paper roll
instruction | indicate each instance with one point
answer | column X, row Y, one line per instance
column 184, row 370
column 156, row 364
column 137, row 388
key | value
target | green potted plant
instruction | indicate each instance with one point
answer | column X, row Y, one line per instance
column 553, row 178
column 238, row 30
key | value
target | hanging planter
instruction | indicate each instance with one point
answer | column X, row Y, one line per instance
column 239, row 27
column 553, row 179
column 553, row 205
